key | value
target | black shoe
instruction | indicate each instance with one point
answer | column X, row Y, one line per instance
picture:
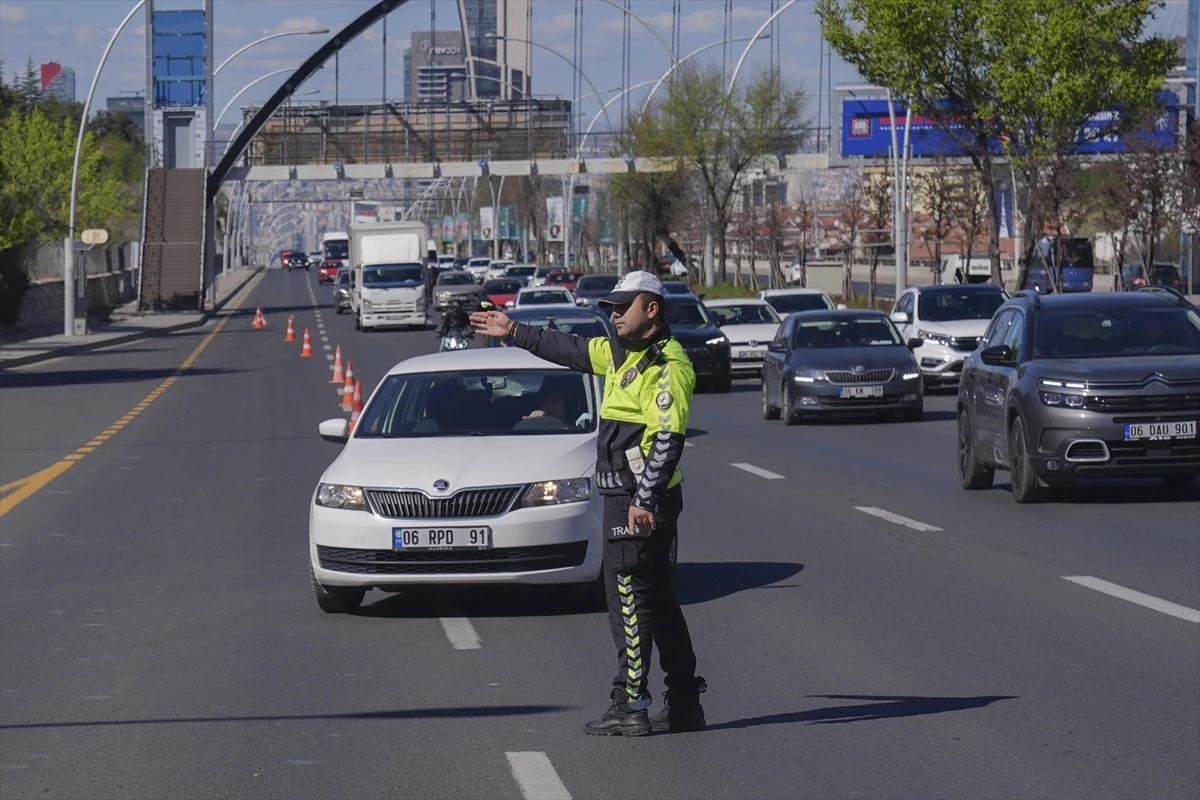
column 620, row 720
column 681, row 712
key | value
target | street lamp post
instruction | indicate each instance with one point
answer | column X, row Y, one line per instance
column 754, row 40
column 680, row 62
column 69, row 288
column 243, row 49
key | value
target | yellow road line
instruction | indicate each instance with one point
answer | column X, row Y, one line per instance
column 32, row 484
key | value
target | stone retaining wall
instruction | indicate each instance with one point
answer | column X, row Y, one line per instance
column 42, row 306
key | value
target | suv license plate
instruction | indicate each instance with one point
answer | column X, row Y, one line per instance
column 1185, row 429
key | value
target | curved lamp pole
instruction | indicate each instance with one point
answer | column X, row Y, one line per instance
column 680, row 62
column 569, row 62
column 243, row 49
column 242, row 91
column 746, row 52
column 69, row 242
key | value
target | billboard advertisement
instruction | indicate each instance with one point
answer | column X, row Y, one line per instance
column 554, row 219
column 866, row 132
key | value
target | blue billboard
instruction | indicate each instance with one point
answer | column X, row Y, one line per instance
column 867, row 132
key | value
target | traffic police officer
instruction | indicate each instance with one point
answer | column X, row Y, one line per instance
column 643, row 420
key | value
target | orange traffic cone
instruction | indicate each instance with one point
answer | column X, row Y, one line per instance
column 358, row 405
column 291, row 332
column 339, row 374
column 348, row 390
column 306, row 351
column 259, row 320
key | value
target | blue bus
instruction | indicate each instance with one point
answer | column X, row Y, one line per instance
column 1078, row 265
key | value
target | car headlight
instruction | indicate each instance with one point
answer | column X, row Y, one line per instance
column 936, row 338
column 1059, row 393
column 367, row 304
column 335, row 495
column 807, row 376
column 553, row 493
column 911, row 375
column 717, row 340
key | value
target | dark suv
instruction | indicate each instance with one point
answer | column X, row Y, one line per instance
column 1083, row 385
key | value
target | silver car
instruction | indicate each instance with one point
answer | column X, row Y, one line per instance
column 455, row 285
column 341, row 291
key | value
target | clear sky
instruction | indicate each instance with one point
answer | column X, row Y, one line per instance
column 74, row 33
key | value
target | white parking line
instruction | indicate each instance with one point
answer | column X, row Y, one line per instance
column 1148, row 601
column 759, row 471
column 536, row 776
column 896, row 518
column 461, row 633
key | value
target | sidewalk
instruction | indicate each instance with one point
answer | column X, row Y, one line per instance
column 127, row 325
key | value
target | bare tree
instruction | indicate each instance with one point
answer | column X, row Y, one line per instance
column 1118, row 214
column 1154, row 174
column 778, row 228
column 937, row 187
column 970, row 210
column 1062, row 204
column 850, row 210
column 877, row 204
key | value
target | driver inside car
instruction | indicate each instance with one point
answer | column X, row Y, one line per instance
column 553, row 404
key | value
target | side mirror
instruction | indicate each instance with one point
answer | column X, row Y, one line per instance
column 718, row 321
column 998, row 356
column 775, row 346
column 581, row 301
column 899, row 317
column 913, row 344
column 335, row 430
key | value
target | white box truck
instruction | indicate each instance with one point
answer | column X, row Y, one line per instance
column 387, row 274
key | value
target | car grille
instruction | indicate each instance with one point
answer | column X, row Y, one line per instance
column 1161, row 453
column 852, row 402
column 1143, row 402
column 417, row 505
column 870, row 376
column 451, row 562
column 964, row 343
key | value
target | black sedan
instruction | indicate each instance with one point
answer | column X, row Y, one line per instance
column 297, row 260
column 828, row 362
column 591, row 288
column 706, row 346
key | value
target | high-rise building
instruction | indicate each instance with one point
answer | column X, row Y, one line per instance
column 496, row 33
column 58, row 82
column 435, row 68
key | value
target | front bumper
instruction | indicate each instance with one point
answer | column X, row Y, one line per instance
column 940, row 364
column 550, row 545
column 746, row 359
column 823, row 397
column 1087, row 444
column 710, row 361
column 387, row 319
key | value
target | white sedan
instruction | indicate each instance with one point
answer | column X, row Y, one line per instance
column 749, row 324
column 542, row 296
column 469, row 467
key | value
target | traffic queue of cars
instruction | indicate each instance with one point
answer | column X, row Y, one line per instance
column 1052, row 389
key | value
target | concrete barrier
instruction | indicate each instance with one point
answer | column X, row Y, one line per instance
column 42, row 305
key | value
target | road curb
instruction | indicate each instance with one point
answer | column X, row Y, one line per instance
column 86, row 347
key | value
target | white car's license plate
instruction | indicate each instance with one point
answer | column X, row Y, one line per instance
column 861, row 391
column 749, row 354
column 475, row 538
column 1184, row 429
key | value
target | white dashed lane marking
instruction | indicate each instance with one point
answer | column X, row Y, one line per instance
column 536, row 776
column 461, row 633
column 1144, row 600
column 897, row 519
column 759, row 471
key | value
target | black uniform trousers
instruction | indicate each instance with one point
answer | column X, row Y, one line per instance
column 642, row 607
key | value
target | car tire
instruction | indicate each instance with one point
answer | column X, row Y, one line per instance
column 357, row 322
column 768, row 411
column 972, row 473
column 1026, row 487
column 335, row 602
column 1178, row 485
column 338, row 310
column 790, row 417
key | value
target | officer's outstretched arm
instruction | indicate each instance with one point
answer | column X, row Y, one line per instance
column 666, row 405
column 573, row 352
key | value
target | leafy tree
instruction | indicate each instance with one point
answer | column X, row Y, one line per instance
column 719, row 135
column 877, row 201
column 1024, row 73
column 936, row 187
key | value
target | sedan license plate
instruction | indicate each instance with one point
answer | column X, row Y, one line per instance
column 861, row 391
column 476, row 538
column 749, row 354
column 1185, row 429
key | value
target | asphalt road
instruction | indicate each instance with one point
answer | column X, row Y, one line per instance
column 158, row 637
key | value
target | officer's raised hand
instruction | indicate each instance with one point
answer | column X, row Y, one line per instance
column 490, row 323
